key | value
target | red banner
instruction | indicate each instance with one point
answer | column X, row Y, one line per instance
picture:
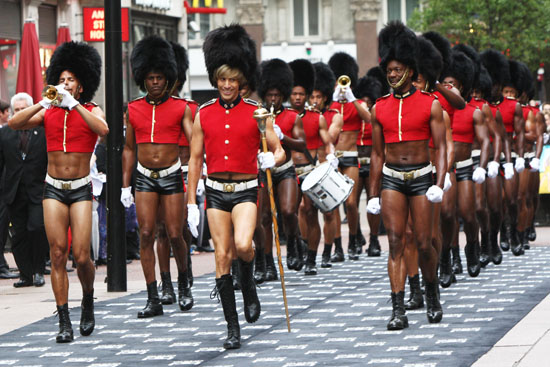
column 94, row 24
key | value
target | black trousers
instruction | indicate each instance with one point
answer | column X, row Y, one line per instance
column 4, row 222
column 29, row 241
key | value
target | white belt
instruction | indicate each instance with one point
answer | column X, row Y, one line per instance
column 346, row 153
column 285, row 166
column 512, row 155
column 231, row 186
column 406, row 176
column 364, row 160
column 529, row 155
column 69, row 184
column 304, row 169
column 476, row 153
column 464, row 163
column 184, row 168
column 158, row 174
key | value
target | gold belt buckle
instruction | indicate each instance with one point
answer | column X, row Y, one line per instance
column 408, row 175
column 65, row 186
column 155, row 175
column 228, row 187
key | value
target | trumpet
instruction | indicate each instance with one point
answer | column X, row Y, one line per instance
column 344, row 82
column 51, row 93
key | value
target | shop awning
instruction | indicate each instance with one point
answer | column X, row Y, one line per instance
column 29, row 74
column 63, row 35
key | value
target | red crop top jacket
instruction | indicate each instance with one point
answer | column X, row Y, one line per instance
column 310, row 121
column 67, row 131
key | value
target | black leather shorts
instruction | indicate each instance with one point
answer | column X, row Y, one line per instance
column 226, row 201
column 168, row 185
column 277, row 177
column 68, row 197
column 476, row 160
column 415, row 187
column 464, row 173
column 344, row 162
column 364, row 170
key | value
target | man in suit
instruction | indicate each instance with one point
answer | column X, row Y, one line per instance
column 23, row 154
column 4, row 268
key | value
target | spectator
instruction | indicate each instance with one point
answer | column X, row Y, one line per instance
column 23, row 154
column 4, row 268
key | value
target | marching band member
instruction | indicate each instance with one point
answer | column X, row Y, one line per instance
column 227, row 133
column 72, row 128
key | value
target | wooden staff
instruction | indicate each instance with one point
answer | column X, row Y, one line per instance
column 261, row 115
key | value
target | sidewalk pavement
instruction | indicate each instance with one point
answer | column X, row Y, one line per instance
column 525, row 345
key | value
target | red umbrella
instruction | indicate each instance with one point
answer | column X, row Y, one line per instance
column 29, row 74
column 63, row 35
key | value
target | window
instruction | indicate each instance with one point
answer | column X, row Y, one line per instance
column 401, row 9
column 306, row 18
column 203, row 21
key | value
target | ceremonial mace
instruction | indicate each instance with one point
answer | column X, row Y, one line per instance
column 261, row 115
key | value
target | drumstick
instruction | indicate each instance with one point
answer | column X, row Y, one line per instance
column 261, row 115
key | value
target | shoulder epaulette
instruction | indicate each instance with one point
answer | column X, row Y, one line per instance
column 191, row 101
column 92, row 103
column 250, row 101
column 206, row 104
column 428, row 93
column 178, row 97
column 333, row 110
column 137, row 99
column 291, row 109
column 384, row 97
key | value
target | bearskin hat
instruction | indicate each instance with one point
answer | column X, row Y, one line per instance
column 397, row 42
column 80, row 59
column 428, row 61
column 483, row 84
column 496, row 65
column 377, row 73
column 153, row 53
column 182, row 62
column 473, row 55
column 304, row 74
column 529, row 81
column 442, row 45
column 368, row 87
column 232, row 46
column 462, row 69
column 275, row 73
column 519, row 76
column 342, row 63
column 324, row 79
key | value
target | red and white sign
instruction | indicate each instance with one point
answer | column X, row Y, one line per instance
column 94, row 24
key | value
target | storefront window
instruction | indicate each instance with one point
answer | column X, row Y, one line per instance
column 8, row 68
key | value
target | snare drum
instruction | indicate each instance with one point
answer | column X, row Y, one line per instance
column 326, row 187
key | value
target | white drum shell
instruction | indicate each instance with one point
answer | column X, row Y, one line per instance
column 326, row 187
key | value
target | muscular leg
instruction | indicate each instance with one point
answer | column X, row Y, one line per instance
column 471, row 228
column 351, row 202
column 222, row 236
column 163, row 248
column 448, row 218
column 80, row 214
column 172, row 206
column 511, row 202
column 395, row 204
column 524, row 201
column 288, row 199
column 494, row 203
column 146, row 208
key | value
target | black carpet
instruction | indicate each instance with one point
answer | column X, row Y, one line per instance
column 338, row 318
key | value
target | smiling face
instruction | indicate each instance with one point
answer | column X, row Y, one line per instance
column 399, row 76
column 71, row 83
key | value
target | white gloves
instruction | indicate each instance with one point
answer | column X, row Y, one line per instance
column 278, row 131
column 193, row 219
column 336, row 96
column 479, row 175
column 448, row 183
column 349, row 95
column 200, row 187
column 434, row 194
column 373, row 206
column 68, row 100
column 492, row 169
column 126, row 197
column 508, row 170
column 46, row 103
column 545, row 138
column 535, row 164
column 267, row 160
column 333, row 160
column 520, row 164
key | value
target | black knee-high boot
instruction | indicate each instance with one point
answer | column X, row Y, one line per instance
column 168, row 295
column 270, row 269
column 65, row 334
column 87, row 319
column 398, row 319
column 224, row 287
column 252, row 306
column 185, row 296
column 416, row 300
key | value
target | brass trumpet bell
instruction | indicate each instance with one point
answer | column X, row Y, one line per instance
column 344, row 81
column 51, row 93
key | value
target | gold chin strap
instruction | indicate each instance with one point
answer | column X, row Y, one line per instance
column 173, row 89
column 401, row 81
column 427, row 87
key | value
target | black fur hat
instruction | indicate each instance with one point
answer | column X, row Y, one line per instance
column 232, row 46
column 529, row 81
column 368, row 87
column 342, row 63
column 324, row 79
column 483, row 84
column 442, row 45
column 428, row 61
column 153, row 53
column 473, row 55
column 496, row 65
column 519, row 76
column 462, row 69
column 80, row 59
column 182, row 61
column 397, row 42
column 275, row 73
column 304, row 74
column 377, row 73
